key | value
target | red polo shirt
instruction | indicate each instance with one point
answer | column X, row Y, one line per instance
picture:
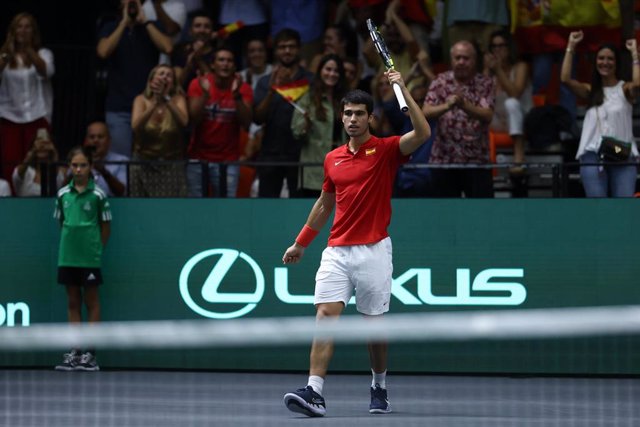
column 363, row 184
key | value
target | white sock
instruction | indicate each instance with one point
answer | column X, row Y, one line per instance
column 379, row 379
column 316, row 383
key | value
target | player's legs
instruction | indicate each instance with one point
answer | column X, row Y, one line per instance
column 372, row 275
column 332, row 293
column 378, row 356
column 309, row 400
column 322, row 350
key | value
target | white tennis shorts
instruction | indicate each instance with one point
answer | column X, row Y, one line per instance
column 365, row 269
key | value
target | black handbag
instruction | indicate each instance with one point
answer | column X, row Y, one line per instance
column 614, row 150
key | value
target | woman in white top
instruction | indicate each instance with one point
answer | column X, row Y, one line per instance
column 610, row 114
column 513, row 90
column 26, row 96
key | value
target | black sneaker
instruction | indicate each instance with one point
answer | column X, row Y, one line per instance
column 305, row 401
column 379, row 401
column 87, row 362
column 69, row 361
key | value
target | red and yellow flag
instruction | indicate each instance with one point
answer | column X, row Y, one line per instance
column 294, row 90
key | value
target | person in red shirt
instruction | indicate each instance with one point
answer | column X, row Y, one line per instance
column 219, row 106
column 358, row 182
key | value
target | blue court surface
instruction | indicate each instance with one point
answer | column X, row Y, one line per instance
column 176, row 398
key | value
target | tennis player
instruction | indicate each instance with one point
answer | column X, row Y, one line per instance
column 358, row 182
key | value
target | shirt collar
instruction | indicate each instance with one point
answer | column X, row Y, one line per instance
column 91, row 185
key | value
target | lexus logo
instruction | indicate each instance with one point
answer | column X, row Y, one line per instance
column 209, row 290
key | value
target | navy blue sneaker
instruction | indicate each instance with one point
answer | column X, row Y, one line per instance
column 70, row 361
column 305, row 401
column 379, row 401
column 87, row 362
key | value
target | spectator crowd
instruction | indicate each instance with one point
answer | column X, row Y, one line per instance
column 243, row 101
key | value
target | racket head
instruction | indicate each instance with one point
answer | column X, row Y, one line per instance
column 380, row 45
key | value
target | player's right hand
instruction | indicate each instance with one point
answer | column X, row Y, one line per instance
column 293, row 254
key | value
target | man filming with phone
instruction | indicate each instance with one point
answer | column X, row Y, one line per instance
column 130, row 44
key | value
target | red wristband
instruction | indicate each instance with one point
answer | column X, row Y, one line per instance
column 306, row 236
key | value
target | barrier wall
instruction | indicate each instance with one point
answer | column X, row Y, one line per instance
column 525, row 253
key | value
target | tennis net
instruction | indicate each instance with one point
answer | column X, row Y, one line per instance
column 564, row 366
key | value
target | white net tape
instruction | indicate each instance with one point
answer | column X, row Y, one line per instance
column 442, row 326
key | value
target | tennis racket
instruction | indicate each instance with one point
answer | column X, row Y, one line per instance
column 381, row 47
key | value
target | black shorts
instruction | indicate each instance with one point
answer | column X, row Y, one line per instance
column 79, row 276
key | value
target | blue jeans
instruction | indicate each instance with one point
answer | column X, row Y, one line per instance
column 194, row 179
column 119, row 124
column 609, row 180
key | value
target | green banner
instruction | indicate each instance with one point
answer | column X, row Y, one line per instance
column 221, row 259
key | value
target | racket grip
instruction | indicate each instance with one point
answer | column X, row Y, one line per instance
column 400, row 97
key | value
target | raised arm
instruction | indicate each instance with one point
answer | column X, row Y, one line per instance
column 159, row 39
column 631, row 88
column 106, row 45
column 579, row 89
column 318, row 217
column 392, row 16
column 410, row 141
column 171, row 27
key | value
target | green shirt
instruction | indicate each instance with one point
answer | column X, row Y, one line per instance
column 80, row 215
column 317, row 141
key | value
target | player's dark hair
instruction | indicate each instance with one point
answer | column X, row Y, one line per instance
column 358, row 96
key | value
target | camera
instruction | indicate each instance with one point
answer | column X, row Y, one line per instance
column 132, row 9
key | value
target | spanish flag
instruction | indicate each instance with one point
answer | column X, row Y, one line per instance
column 294, row 90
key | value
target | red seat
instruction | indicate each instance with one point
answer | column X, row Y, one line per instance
column 497, row 139
column 503, row 139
